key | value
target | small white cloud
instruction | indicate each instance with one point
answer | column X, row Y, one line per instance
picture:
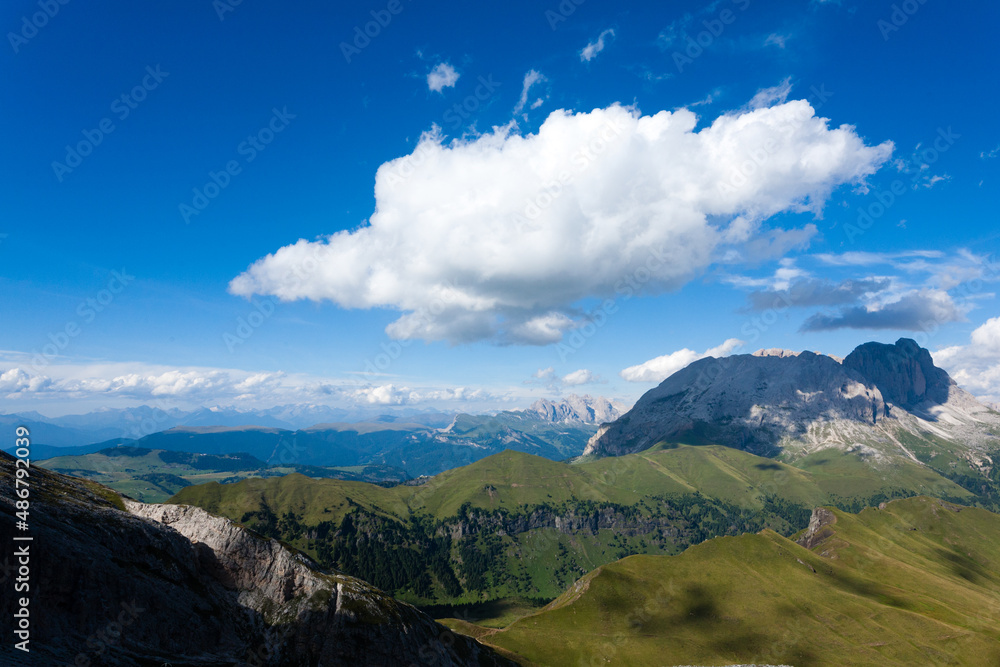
column 442, row 76
column 545, row 373
column 576, row 378
column 590, row 51
column 386, row 394
column 989, row 155
column 549, row 378
column 660, row 368
column 934, row 180
column 532, row 78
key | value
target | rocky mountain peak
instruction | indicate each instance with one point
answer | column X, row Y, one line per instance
column 775, row 352
column 905, row 372
column 573, row 408
column 777, row 401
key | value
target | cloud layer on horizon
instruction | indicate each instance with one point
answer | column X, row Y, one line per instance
column 137, row 382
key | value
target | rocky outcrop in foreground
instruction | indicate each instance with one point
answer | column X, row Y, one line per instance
column 116, row 582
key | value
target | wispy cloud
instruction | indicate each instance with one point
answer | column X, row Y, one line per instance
column 708, row 99
column 135, row 383
column 767, row 97
column 775, row 39
column 531, row 79
column 590, row 51
column 916, row 310
column 875, row 258
column 918, row 289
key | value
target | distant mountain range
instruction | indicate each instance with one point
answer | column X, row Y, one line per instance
column 555, row 430
column 133, row 423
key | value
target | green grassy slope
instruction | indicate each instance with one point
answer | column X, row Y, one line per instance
column 515, row 525
column 913, row 584
column 512, row 479
column 312, row 500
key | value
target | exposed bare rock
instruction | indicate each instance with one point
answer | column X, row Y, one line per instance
column 115, row 582
column 819, row 528
column 904, row 373
column 876, row 403
column 775, row 352
column 583, row 409
column 745, row 401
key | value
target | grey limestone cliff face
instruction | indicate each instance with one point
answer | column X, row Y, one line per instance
column 746, row 401
column 904, row 372
column 115, row 582
column 776, row 401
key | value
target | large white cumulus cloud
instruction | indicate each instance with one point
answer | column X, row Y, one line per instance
column 498, row 237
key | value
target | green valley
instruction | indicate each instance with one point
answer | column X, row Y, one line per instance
column 514, row 526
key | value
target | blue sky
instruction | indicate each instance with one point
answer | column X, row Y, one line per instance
column 123, row 283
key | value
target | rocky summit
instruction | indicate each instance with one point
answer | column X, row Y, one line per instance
column 116, row 582
column 573, row 408
column 880, row 402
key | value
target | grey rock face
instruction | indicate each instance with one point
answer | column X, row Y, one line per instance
column 775, row 401
column 121, row 583
column 745, row 401
column 904, row 372
column 573, row 408
column 817, row 530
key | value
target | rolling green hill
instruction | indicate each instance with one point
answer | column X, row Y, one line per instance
column 914, row 583
column 514, row 525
